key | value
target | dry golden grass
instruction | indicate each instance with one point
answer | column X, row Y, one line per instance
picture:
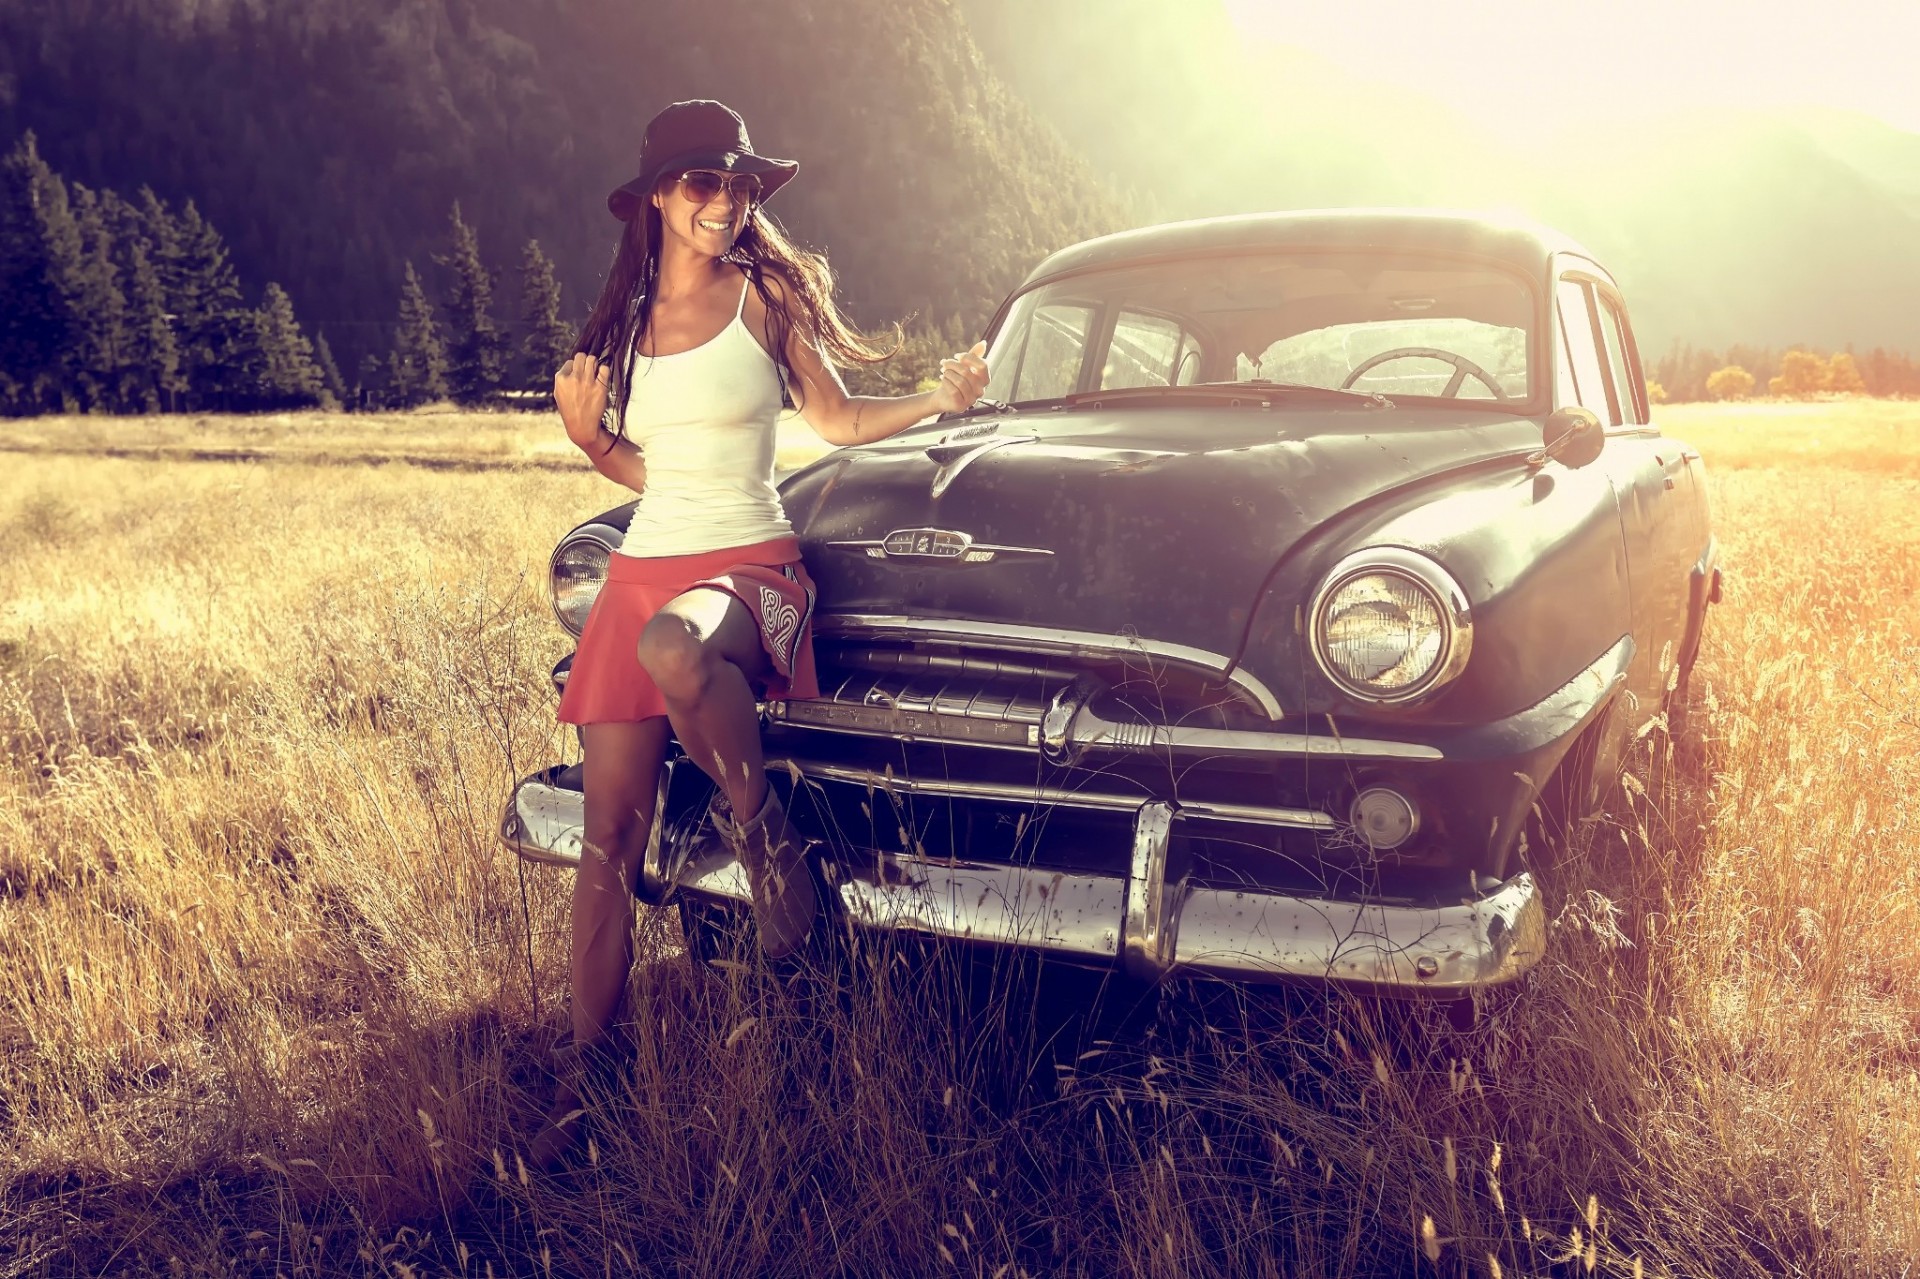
column 436, row 437
column 276, row 1004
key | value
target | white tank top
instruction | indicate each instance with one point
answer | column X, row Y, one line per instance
column 705, row 420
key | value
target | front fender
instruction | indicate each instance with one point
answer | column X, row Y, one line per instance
column 1540, row 556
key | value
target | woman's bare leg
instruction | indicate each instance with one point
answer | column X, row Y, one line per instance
column 621, row 777
column 701, row 650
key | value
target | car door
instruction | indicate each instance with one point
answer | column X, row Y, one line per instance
column 1650, row 474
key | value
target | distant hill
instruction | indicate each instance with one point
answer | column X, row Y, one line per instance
column 327, row 140
column 1725, row 227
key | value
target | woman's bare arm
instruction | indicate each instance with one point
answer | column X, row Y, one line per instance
column 843, row 419
column 624, row 463
column 580, row 391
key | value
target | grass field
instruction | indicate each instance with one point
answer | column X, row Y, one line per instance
column 275, row 1003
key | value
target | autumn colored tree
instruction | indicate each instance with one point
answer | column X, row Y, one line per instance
column 1802, row 374
column 1843, row 375
column 1730, row 383
column 1656, row 393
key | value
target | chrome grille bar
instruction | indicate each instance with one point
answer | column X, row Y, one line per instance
column 1109, row 801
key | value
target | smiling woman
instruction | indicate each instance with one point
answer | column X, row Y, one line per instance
column 709, row 322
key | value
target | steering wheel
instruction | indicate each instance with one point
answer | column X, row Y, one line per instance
column 1463, row 368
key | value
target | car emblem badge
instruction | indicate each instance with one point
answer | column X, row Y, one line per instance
column 926, row 544
column 939, row 545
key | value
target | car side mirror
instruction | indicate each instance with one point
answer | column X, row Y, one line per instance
column 1573, row 436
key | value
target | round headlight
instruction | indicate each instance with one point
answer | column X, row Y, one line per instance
column 574, row 577
column 1390, row 625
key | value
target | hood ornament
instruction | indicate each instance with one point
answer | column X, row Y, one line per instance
column 957, row 450
column 937, row 545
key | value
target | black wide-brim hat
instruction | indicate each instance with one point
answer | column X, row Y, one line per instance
column 696, row 135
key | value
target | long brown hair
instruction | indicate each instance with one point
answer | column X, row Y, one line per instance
column 762, row 249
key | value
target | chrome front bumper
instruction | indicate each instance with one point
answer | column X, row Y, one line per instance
column 1144, row 923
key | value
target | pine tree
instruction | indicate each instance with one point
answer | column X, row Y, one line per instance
column 40, row 253
column 476, row 351
column 150, row 367
column 215, row 329
column 369, row 386
column 153, row 359
column 417, row 369
column 98, row 360
column 286, row 375
column 545, row 339
column 330, row 380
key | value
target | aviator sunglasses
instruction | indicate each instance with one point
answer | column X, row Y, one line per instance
column 701, row 185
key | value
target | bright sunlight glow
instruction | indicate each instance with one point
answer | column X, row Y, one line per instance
column 1520, row 65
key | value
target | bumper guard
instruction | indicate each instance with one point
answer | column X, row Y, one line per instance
column 1144, row 923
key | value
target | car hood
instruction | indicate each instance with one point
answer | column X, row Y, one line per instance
column 1163, row 523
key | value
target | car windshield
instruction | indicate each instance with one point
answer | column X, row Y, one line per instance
column 1402, row 325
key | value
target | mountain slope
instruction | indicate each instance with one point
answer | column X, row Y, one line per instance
column 328, row 140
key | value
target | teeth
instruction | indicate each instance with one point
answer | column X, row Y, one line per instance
column 716, row 226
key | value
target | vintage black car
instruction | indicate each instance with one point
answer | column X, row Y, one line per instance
column 1298, row 571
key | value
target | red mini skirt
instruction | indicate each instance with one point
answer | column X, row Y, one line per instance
column 608, row 684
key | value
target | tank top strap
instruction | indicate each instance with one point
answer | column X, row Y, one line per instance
column 746, row 282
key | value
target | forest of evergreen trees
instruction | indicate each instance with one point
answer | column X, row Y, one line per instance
column 132, row 306
column 327, row 143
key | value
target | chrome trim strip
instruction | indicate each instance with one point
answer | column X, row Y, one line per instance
column 894, row 724
column 1148, row 929
column 1107, row 801
column 1068, row 728
column 1428, row 574
column 990, row 549
column 1042, row 639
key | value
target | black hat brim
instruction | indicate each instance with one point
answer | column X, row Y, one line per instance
column 626, row 200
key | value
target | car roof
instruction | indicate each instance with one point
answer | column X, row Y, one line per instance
column 1516, row 242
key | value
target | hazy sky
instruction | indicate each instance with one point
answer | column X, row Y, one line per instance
column 1520, row 63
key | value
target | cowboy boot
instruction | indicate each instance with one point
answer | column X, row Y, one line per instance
column 785, row 903
column 582, row 1075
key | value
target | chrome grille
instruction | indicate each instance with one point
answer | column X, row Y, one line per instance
column 920, row 696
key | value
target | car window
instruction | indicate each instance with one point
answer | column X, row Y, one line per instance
column 1145, row 351
column 1583, row 358
column 1367, row 318
column 1345, row 355
column 1049, row 364
column 1613, row 332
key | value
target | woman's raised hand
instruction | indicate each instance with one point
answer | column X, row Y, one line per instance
column 962, row 380
column 580, row 390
